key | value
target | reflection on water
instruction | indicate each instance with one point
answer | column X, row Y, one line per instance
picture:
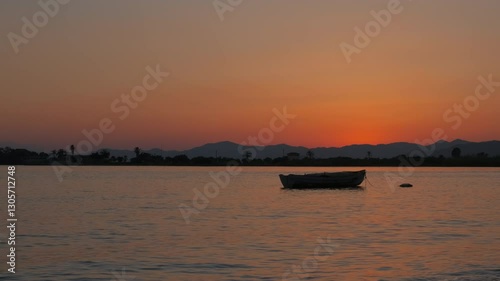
column 123, row 223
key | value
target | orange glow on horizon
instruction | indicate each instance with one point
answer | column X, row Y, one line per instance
column 227, row 77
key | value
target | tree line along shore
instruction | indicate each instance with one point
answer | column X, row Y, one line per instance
column 19, row 156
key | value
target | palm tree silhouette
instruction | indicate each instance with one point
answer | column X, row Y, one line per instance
column 247, row 155
column 137, row 151
column 61, row 153
column 310, row 154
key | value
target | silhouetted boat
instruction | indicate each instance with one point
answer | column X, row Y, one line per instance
column 324, row 180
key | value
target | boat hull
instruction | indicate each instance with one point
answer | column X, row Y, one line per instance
column 324, row 180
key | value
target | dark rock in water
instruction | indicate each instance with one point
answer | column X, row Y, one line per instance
column 405, row 185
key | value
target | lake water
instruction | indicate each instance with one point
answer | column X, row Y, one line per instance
column 124, row 223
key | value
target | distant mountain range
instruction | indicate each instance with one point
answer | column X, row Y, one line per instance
column 233, row 150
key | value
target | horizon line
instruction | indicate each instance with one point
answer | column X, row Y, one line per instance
column 228, row 141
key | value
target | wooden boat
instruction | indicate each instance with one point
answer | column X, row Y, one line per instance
column 323, row 180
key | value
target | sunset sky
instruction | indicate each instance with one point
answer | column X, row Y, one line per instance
column 227, row 76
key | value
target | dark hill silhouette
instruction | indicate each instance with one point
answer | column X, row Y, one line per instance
column 230, row 150
column 443, row 153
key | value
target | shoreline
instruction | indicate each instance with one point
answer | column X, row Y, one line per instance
column 247, row 165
